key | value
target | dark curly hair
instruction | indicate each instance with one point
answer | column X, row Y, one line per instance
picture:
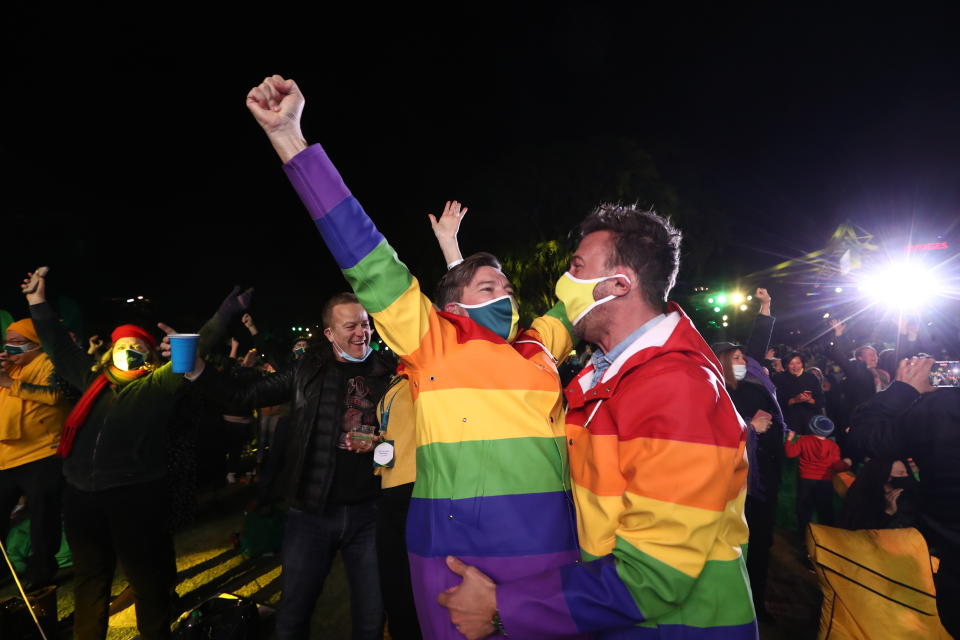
column 644, row 241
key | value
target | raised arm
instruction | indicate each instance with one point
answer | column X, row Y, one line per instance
column 405, row 317
column 446, row 229
column 889, row 423
column 759, row 339
column 71, row 362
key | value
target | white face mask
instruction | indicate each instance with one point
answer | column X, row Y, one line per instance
column 739, row 371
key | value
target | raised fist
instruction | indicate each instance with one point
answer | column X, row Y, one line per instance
column 276, row 104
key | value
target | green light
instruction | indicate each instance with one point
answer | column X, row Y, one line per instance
column 710, row 300
column 716, row 309
column 722, row 299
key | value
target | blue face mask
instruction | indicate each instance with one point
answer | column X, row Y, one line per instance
column 349, row 358
column 500, row 316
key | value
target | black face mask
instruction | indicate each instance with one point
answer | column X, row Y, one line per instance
column 903, row 482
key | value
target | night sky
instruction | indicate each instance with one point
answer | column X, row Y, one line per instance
column 132, row 167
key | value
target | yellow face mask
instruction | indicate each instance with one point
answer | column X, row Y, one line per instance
column 576, row 294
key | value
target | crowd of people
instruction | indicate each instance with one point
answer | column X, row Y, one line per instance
column 467, row 491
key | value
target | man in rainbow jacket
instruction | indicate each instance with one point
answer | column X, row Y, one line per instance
column 492, row 482
column 657, row 455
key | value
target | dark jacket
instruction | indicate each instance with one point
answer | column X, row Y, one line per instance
column 123, row 440
column 749, row 397
column 314, row 387
column 859, row 385
column 900, row 423
column 754, row 392
column 797, row 416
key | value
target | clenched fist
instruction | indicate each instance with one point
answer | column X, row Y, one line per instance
column 277, row 104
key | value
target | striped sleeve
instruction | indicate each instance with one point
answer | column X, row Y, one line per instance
column 673, row 506
column 555, row 332
column 383, row 284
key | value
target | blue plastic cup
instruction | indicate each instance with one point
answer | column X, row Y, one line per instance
column 183, row 351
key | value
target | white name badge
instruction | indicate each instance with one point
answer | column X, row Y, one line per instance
column 383, row 454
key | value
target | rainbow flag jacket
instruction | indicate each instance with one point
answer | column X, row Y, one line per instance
column 492, row 468
column 657, row 453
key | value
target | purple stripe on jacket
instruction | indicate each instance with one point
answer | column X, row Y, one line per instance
column 346, row 229
column 431, row 576
column 511, row 525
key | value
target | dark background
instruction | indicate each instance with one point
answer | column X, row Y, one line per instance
column 132, row 167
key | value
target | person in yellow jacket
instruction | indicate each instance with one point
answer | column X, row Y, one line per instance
column 32, row 411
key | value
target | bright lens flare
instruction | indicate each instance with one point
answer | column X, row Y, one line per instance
column 736, row 298
column 900, row 286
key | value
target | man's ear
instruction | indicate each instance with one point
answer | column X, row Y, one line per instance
column 622, row 286
column 455, row 309
column 328, row 334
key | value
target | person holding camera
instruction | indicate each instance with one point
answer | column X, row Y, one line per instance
column 914, row 419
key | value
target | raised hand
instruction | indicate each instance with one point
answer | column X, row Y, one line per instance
column 95, row 342
column 916, row 373
column 235, row 302
column 247, row 321
column 449, row 223
column 763, row 296
column 277, row 104
column 447, row 228
column 837, row 326
column 34, row 286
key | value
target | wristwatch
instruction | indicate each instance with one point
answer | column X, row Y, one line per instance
column 498, row 624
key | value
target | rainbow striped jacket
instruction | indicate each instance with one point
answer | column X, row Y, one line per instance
column 492, row 481
column 657, row 453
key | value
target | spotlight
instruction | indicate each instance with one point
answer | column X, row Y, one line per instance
column 725, row 324
column 724, row 317
column 826, row 315
column 743, row 307
column 838, row 290
column 716, row 309
column 129, row 299
column 900, row 285
column 710, row 300
column 722, row 299
column 736, row 298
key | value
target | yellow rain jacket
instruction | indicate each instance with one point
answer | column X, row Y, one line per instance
column 876, row 583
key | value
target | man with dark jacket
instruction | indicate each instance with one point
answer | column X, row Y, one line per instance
column 912, row 419
column 860, row 384
column 326, row 475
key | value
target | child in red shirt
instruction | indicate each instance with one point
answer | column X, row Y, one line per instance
column 819, row 460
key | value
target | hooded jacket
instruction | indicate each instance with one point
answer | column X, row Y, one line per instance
column 657, row 455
